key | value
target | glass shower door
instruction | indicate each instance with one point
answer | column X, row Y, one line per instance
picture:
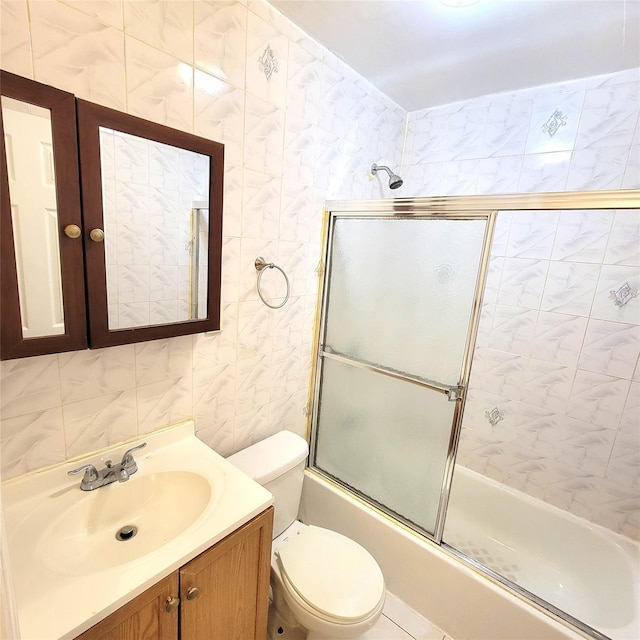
column 397, row 315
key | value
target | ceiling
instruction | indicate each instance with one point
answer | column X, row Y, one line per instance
column 422, row 53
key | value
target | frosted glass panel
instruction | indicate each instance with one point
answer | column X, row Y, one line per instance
column 385, row 437
column 401, row 293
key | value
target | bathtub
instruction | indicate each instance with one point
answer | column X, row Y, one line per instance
column 583, row 569
column 463, row 601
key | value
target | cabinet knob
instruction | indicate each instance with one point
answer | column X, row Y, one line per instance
column 72, row 231
column 171, row 604
column 193, row 593
column 97, row 235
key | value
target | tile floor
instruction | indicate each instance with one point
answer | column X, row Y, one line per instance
column 400, row 622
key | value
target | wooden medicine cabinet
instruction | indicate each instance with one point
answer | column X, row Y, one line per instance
column 111, row 226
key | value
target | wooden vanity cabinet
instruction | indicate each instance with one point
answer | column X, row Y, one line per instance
column 224, row 595
column 144, row 618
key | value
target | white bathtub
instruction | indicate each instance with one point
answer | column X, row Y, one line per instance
column 452, row 595
column 584, row 569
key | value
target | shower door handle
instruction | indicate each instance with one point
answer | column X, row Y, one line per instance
column 454, row 393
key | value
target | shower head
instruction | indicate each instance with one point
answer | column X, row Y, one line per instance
column 395, row 180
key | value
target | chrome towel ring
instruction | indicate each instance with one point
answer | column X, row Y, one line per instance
column 261, row 267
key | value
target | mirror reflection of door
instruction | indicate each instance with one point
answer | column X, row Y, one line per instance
column 31, row 172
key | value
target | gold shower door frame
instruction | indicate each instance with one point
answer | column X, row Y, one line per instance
column 449, row 207
column 438, row 208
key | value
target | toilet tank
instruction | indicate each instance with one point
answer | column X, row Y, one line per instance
column 277, row 463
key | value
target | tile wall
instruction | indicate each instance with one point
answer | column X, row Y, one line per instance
column 299, row 127
column 580, row 135
column 554, row 400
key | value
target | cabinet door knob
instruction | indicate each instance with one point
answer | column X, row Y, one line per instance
column 97, row 235
column 72, row 231
column 193, row 593
column 171, row 604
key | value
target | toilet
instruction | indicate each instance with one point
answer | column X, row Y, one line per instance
column 324, row 585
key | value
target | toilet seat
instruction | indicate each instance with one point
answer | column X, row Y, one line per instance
column 331, row 576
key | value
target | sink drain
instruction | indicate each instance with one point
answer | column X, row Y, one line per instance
column 126, row 533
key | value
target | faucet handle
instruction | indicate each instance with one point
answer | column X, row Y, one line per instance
column 90, row 474
column 127, row 458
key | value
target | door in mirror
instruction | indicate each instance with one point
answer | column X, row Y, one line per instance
column 42, row 283
column 152, row 205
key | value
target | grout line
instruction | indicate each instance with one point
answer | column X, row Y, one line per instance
column 404, row 631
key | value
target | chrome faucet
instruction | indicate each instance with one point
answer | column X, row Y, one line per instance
column 121, row 471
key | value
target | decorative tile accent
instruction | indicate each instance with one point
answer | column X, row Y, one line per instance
column 268, row 63
column 556, row 120
column 623, row 295
column 494, row 416
column 614, row 278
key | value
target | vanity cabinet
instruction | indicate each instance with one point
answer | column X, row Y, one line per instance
column 144, row 618
column 223, row 595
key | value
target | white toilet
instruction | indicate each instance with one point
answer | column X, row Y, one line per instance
column 324, row 584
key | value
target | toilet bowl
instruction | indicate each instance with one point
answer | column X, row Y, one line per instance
column 324, row 585
column 333, row 587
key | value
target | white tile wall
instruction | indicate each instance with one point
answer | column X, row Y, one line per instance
column 496, row 143
column 558, row 358
column 554, row 353
column 307, row 134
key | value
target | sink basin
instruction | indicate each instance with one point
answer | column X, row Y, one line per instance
column 70, row 571
column 82, row 539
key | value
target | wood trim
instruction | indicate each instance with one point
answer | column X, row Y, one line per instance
column 90, row 118
column 63, row 124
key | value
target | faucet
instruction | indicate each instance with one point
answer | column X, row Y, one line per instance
column 121, row 471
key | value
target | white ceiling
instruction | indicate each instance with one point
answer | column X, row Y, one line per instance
column 422, row 53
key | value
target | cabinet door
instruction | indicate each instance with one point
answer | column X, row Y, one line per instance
column 144, row 618
column 224, row 592
column 41, row 257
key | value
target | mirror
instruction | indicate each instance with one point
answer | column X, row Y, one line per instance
column 28, row 141
column 42, row 273
column 156, row 218
column 147, row 239
column 152, row 206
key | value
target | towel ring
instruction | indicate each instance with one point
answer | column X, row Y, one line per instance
column 261, row 267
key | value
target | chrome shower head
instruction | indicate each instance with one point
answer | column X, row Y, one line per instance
column 395, row 180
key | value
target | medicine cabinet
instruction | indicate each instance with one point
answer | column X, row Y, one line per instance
column 111, row 226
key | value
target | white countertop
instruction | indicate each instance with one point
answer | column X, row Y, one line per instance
column 56, row 603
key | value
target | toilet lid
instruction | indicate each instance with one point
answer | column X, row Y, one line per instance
column 332, row 574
